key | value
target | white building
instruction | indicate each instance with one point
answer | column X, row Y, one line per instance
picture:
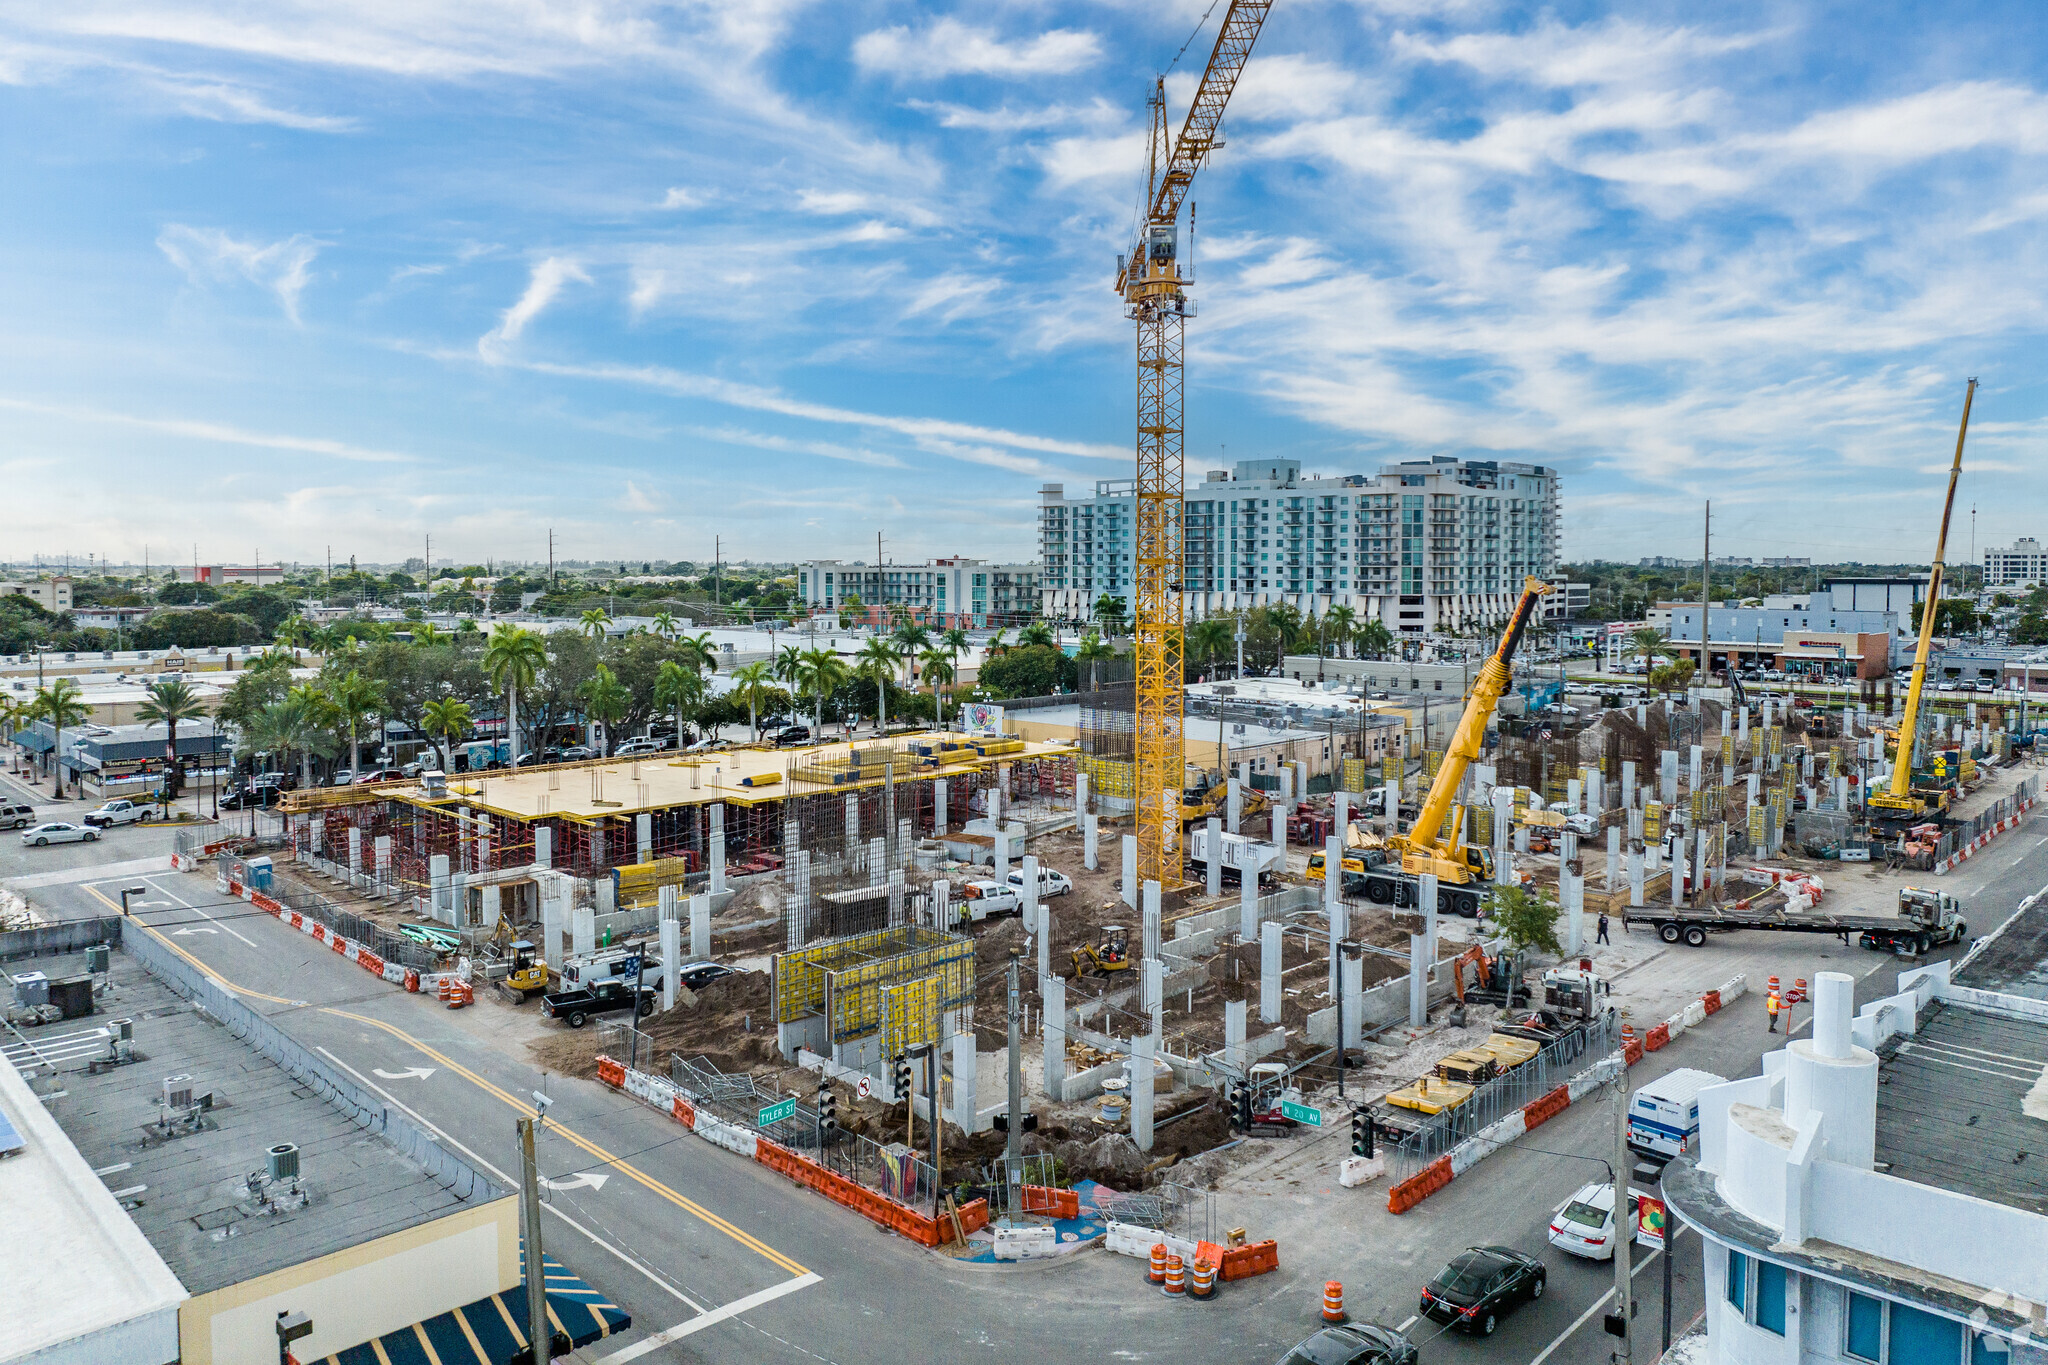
column 1432, row 545
column 1880, row 1213
column 217, row 574
column 1568, row 601
column 2023, row 565
column 51, row 594
column 943, row 592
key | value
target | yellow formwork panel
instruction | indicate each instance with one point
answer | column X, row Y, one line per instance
column 1110, row 777
column 910, row 1015
column 854, row 995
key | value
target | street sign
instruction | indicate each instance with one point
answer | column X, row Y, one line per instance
column 1301, row 1113
column 776, row 1113
column 864, row 1088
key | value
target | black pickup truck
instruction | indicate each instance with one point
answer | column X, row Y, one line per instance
column 606, row 997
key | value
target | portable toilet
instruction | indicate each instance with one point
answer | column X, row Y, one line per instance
column 262, row 873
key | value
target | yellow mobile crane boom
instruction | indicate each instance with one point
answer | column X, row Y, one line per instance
column 1154, row 294
column 1897, row 800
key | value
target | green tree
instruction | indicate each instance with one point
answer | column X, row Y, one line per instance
column 752, row 684
column 1109, row 613
column 665, row 625
column 1649, row 642
column 1036, row 633
column 679, row 690
column 698, row 651
column 445, row 718
column 788, row 667
column 1092, row 651
column 877, row 663
column 1672, row 677
column 1340, row 625
column 296, row 725
column 822, row 674
column 1032, row 671
column 293, row 632
column 1526, row 917
column 168, row 703
column 1374, row 639
column 513, row 660
column 595, row 621
column 62, row 704
column 606, row 702
column 936, row 666
column 355, row 699
column 1208, row 639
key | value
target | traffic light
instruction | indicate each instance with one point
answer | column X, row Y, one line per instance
column 901, row 1070
column 828, row 1109
column 1361, row 1133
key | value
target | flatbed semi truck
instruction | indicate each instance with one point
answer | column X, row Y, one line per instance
column 1925, row 920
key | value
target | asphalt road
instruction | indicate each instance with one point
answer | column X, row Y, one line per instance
column 717, row 1259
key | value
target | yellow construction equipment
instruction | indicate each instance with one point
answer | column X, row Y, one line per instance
column 1897, row 802
column 1153, row 289
column 1199, row 803
column 529, row 974
column 1109, row 956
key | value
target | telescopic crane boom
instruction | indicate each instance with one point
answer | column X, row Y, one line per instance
column 1897, row 800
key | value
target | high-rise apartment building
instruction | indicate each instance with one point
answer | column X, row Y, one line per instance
column 1428, row 545
column 2023, row 565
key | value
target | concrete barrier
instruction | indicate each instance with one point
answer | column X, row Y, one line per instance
column 1026, row 1244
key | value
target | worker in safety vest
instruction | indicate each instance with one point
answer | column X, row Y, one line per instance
column 1771, row 1008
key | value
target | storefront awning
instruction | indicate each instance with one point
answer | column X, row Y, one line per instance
column 490, row 1330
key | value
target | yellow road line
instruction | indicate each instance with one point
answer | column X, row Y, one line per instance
column 517, row 1105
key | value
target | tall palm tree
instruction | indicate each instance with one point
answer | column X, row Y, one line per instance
column 425, row 635
column 1339, row 624
column 293, row 632
column 910, row 639
column 606, row 700
column 594, row 622
column 666, row 626
column 1092, row 650
column 1374, row 638
column 1036, row 633
column 937, row 670
column 1207, row 638
column 955, row 639
column 679, row 689
column 1649, row 642
column 752, row 683
column 448, row 719
column 167, row 704
column 698, row 651
column 996, row 644
column 467, row 632
column 788, row 667
column 821, row 674
column 297, row 723
column 877, row 663
column 513, row 659
column 62, row 703
column 355, row 699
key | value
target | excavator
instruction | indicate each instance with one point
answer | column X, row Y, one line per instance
column 1109, row 956
column 1211, row 797
column 1435, row 844
column 1897, row 805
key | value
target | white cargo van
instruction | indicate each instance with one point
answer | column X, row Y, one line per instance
column 1664, row 1114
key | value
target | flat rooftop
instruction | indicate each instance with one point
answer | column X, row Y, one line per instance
column 1952, row 1107
column 185, row 1188
column 2014, row 961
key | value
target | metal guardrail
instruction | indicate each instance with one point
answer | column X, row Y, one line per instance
column 1550, row 1068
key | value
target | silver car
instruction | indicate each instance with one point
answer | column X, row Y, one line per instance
column 60, row 832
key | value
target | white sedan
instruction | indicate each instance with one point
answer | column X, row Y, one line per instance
column 59, row 832
column 1584, row 1224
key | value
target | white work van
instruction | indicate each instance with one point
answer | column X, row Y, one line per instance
column 1664, row 1114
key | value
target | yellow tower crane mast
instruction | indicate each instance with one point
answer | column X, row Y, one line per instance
column 1155, row 297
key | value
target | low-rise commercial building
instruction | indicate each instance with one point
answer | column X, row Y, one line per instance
column 1820, row 640
column 221, row 574
column 946, row 592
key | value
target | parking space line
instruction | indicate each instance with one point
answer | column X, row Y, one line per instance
column 183, row 904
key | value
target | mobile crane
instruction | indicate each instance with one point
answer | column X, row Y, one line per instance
column 1434, row 846
column 1897, row 805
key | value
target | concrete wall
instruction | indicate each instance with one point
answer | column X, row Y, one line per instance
column 362, row 1292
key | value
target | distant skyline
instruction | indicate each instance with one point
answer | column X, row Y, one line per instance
column 789, row 273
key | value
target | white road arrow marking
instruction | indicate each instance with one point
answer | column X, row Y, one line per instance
column 196, row 929
column 409, row 1074
column 594, row 1179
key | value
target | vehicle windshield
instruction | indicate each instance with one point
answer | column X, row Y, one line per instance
column 1466, row 1275
column 1587, row 1214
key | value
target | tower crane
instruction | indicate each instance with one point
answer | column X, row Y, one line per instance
column 1155, row 297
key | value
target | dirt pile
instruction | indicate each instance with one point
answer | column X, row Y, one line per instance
column 729, row 1022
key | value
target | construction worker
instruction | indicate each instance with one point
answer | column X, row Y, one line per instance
column 1601, row 936
column 1771, row 1008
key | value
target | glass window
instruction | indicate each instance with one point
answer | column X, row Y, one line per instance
column 1923, row 1339
column 1986, row 1350
column 1770, row 1297
column 1738, row 1280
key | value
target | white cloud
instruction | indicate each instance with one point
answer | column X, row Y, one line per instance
column 1004, row 119
column 951, row 48
column 208, row 255
column 542, row 286
column 825, row 449
column 680, row 198
column 831, row 201
column 234, row 104
column 211, row 431
column 1557, row 55
column 638, row 499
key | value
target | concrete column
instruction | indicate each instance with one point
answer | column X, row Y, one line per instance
column 700, row 926
column 1352, row 972
column 1613, row 855
column 896, row 895
column 1842, row 793
column 1155, row 992
column 997, row 792
column 1333, row 903
column 1628, row 784
column 1635, row 823
column 1340, row 806
column 717, row 847
column 1742, row 725
column 1418, row 980
column 643, row 838
column 1030, row 889
column 938, row 901
column 1286, row 784
column 1141, row 1091
column 1635, row 878
column 1574, row 795
column 1234, row 1012
column 355, row 852
column 1702, row 856
column 1280, row 827
column 1052, row 994
column 1248, row 907
column 852, row 826
column 1596, row 790
column 583, row 925
column 963, row 1080
column 607, row 895
column 1522, row 840
column 668, row 903
column 1080, row 794
column 1213, row 883
column 543, row 846
column 1129, row 888
column 381, row 856
column 671, row 958
column 1503, row 819
column 939, row 805
column 1643, row 714
column 554, row 929
column 437, row 888
column 1390, row 813
column 1695, row 768
column 1667, row 777
column 1301, row 781
column 1149, row 909
column 1574, row 890
column 1755, row 782
column 1089, row 856
column 1002, row 855
column 878, row 858
column 1233, row 806
column 1269, row 972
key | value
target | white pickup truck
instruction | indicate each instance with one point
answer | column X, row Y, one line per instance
column 982, row 900
column 119, row 813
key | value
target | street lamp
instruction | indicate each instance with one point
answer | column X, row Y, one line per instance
column 128, row 891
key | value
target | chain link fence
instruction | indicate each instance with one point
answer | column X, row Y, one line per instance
column 1961, row 836
column 379, row 939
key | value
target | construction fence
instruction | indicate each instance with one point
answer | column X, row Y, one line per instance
column 376, row 937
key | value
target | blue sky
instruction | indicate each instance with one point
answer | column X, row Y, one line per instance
column 288, row 275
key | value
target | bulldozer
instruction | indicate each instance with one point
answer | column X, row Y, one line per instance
column 1211, row 797
column 529, row 974
column 1109, row 956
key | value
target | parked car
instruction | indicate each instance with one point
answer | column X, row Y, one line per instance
column 698, row 975
column 575, row 753
column 574, row 1007
column 1479, row 1285
column 343, row 777
column 1584, row 1224
column 1947, row 685
column 634, row 747
column 122, row 812
column 1050, row 883
column 17, row 817
column 792, row 734
column 376, row 775
column 60, row 832
column 243, row 798
column 538, row 758
column 705, row 745
column 1355, row 1343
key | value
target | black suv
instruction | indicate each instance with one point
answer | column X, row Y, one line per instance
column 793, row 734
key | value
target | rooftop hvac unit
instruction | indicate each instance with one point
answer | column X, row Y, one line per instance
column 97, row 958
column 284, row 1162
column 178, row 1092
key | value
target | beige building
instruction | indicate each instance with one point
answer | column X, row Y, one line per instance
column 51, row 594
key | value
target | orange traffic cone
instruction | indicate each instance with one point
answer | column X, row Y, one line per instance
column 1333, row 1302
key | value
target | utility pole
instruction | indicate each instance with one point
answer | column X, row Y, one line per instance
column 717, row 571
column 539, row 1335
column 551, row 559
column 1624, row 1229
column 1706, row 543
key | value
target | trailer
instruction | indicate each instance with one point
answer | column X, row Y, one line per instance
column 1926, row 919
column 1238, row 854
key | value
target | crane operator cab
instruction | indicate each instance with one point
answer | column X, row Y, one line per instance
column 1159, row 243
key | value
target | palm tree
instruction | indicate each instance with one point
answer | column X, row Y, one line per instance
column 1339, row 623
column 449, row 719
column 355, row 699
column 996, row 645
column 937, row 669
column 1649, row 642
column 292, row 632
column 911, row 640
column 788, row 667
column 752, row 683
column 513, row 659
column 594, row 622
column 877, row 663
column 62, row 703
column 821, row 674
column 679, row 689
column 1374, row 638
column 1207, row 638
column 1092, row 650
column 698, row 651
column 426, row 636
column 606, row 700
column 467, row 632
column 296, row 723
column 1036, row 633
column 955, row 639
column 665, row 625
column 167, row 704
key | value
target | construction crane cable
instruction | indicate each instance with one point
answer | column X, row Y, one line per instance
column 1200, row 24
